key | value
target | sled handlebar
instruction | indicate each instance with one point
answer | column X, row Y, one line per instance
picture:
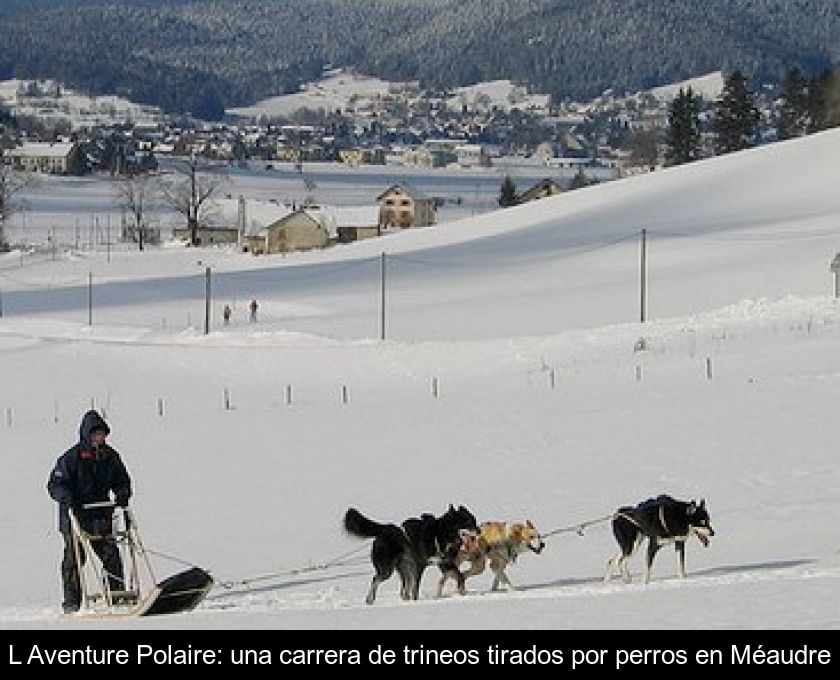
column 99, row 505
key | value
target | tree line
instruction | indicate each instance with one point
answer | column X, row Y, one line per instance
column 203, row 56
column 188, row 188
column 806, row 104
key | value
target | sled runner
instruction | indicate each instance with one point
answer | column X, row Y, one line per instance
column 140, row 594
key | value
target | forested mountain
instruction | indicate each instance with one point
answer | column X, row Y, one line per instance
column 204, row 55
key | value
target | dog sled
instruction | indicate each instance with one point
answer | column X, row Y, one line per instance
column 140, row 593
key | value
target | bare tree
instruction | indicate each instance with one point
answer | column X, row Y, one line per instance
column 310, row 186
column 134, row 194
column 189, row 190
column 11, row 181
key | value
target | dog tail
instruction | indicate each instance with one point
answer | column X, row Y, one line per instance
column 357, row 524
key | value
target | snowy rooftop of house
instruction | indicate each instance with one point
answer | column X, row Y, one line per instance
column 332, row 218
column 407, row 189
column 43, row 149
column 258, row 214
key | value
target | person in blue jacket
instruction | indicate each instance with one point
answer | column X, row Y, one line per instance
column 89, row 472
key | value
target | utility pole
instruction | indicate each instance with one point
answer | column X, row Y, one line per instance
column 192, row 216
column 643, row 278
column 382, row 300
column 207, row 302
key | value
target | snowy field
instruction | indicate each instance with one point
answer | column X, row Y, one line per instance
column 345, row 91
column 47, row 99
column 84, row 214
column 708, row 86
column 338, row 91
column 245, row 456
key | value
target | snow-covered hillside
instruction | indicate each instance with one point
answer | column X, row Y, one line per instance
column 544, row 405
column 338, row 91
column 708, row 86
column 50, row 100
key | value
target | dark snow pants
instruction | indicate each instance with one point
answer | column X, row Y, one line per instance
column 108, row 553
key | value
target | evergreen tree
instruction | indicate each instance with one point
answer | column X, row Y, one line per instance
column 737, row 116
column 823, row 101
column 507, row 194
column 683, row 136
column 793, row 115
column 832, row 116
column 816, row 103
column 579, row 180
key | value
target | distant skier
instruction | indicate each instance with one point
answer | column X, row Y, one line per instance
column 253, row 307
column 226, row 312
column 87, row 473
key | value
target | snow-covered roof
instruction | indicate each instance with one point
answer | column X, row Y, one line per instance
column 408, row 190
column 333, row 218
column 43, row 150
column 258, row 214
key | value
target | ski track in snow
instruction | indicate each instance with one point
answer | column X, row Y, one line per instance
column 727, row 391
column 331, row 598
column 266, row 600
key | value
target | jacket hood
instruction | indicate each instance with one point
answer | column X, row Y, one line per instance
column 91, row 421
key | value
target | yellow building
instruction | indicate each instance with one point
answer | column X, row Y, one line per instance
column 296, row 231
column 59, row 158
column 403, row 207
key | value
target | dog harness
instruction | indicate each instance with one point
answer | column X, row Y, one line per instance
column 662, row 520
column 634, row 521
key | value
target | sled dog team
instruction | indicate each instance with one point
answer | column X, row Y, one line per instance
column 454, row 538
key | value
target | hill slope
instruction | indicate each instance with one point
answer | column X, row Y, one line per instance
column 561, row 423
column 207, row 55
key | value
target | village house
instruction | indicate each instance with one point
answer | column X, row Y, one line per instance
column 349, row 223
column 472, row 155
column 57, row 158
column 287, row 154
column 545, row 151
column 236, row 221
column 296, row 231
column 209, row 234
column 418, row 158
column 217, row 229
column 443, row 151
column 362, row 156
column 404, row 207
column 542, row 189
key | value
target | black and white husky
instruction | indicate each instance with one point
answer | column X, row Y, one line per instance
column 661, row 520
column 411, row 547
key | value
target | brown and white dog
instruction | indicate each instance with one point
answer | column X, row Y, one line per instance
column 498, row 543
